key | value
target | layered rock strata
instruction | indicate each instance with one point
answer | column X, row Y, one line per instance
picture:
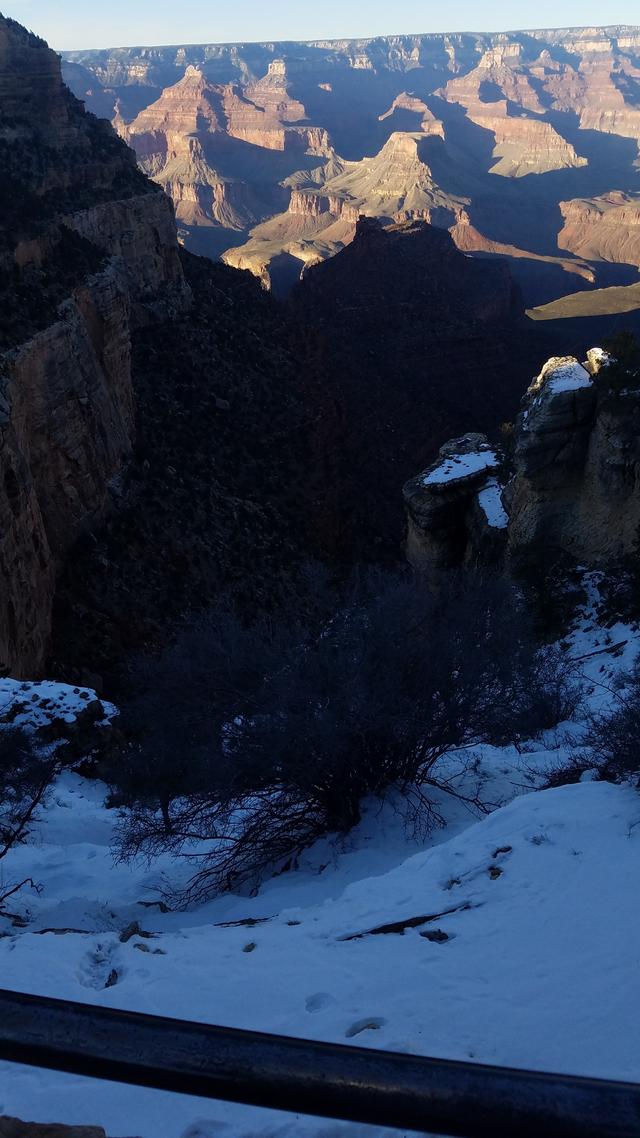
column 195, row 141
column 556, row 109
column 606, row 228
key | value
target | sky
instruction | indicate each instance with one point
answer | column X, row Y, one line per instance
column 71, row 24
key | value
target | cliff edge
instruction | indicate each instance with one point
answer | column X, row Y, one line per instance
column 88, row 252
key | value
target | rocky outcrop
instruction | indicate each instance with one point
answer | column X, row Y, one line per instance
column 576, row 488
column 501, row 71
column 88, row 252
column 606, row 228
column 426, row 122
column 315, row 203
column 574, row 494
column 455, row 511
column 524, row 145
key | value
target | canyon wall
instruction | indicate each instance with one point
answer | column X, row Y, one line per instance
column 87, row 253
column 511, row 127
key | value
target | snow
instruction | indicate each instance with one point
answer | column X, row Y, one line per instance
column 540, row 968
column 568, row 377
column 458, row 466
column 25, row 703
column 490, row 501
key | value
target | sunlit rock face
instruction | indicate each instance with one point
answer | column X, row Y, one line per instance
column 557, row 112
column 605, row 228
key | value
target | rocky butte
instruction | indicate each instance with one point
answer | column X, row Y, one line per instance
column 572, row 496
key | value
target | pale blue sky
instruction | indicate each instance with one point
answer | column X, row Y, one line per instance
column 111, row 23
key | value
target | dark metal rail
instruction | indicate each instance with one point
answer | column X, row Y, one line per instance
column 333, row 1081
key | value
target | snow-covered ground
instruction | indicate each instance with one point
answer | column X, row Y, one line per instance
column 538, row 966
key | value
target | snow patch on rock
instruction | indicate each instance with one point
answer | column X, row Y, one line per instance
column 33, row 704
column 458, row 466
column 490, row 501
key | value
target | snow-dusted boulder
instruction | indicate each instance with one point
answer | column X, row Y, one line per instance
column 455, row 510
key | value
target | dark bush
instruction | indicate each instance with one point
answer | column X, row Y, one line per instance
column 623, row 372
column 25, row 778
column 265, row 738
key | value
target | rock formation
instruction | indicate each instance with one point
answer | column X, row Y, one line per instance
column 501, row 70
column 497, row 95
column 574, row 495
column 397, row 184
column 87, row 251
column 577, row 461
column 515, row 124
column 523, row 145
column 455, row 510
column 193, row 142
column 411, row 333
column 605, row 228
column 424, row 119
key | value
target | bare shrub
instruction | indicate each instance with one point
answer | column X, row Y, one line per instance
column 25, row 778
column 613, row 737
column 293, row 727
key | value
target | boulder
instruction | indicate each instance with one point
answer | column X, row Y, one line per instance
column 455, row 510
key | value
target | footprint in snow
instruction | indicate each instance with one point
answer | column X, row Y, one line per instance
column 98, row 969
column 371, row 1023
column 319, row 1001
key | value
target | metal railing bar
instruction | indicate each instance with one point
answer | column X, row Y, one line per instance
column 406, row 1092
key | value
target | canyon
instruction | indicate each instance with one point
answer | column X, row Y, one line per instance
column 201, row 476
column 271, row 152
column 159, row 409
